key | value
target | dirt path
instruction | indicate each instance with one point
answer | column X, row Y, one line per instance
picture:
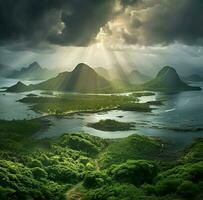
column 97, row 165
column 72, row 194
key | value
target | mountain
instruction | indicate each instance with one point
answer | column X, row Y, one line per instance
column 18, row 87
column 103, row 72
column 168, row 79
column 135, row 77
column 193, row 78
column 82, row 79
column 33, row 72
column 113, row 74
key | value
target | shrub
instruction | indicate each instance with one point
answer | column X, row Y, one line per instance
column 135, row 172
column 39, row 173
column 6, row 193
column 76, row 142
column 114, row 192
column 62, row 173
column 94, row 179
column 187, row 189
column 167, row 186
column 90, row 166
column 148, row 189
column 35, row 163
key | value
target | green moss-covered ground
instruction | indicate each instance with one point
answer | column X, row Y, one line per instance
column 80, row 166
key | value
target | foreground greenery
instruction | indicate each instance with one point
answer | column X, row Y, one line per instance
column 111, row 125
column 80, row 166
column 71, row 103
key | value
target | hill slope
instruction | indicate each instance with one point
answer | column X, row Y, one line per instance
column 168, row 79
column 18, row 87
column 137, row 77
column 103, row 72
column 81, row 79
column 133, row 77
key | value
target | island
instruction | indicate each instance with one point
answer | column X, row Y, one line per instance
column 111, row 125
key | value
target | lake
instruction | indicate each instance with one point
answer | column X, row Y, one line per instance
column 179, row 120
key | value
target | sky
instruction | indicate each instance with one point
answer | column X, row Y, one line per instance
column 128, row 34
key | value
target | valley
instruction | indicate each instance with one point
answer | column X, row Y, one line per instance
column 101, row 100
column 91, row 143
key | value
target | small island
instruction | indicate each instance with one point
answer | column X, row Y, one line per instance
column 31, row 95
column 111, row 125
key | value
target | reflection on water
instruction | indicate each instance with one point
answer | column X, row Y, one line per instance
column 177, row 120
column 9, row 107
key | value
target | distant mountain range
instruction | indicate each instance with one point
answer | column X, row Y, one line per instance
column 133, row 77
column 168, row 79
column 137, row 77
column 81, row 79
column 85, row 79
column 32, row 72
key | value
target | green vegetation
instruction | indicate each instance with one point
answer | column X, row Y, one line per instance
column 14, row 134
column 111, row 125
column 134, row 147
column 80, row 166
column 149, row 179
column 47, row 93
column 136, row 172
column 194, row 153
column 71, row 103
column 31, row 95
column 168, row 80
column 43, row 169
column 140, row 94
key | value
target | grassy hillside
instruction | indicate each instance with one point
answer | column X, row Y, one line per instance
column 80, row 166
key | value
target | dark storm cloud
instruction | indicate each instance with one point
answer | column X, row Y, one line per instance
column 165, row 22
column 83, row 21
column 76, row 22
column 26, row 20
column 71, row 22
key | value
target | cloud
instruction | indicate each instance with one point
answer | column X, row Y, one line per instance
column 36, row 23
column 72, row 22
column 83, row 21
column 161, row 22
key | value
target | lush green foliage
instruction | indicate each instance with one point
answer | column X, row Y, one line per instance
column 80, row 166
column 111, row 125
column 71, row 103
column 14, row 134
column 131, row 148
column 136, row 172
column 196, row 154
